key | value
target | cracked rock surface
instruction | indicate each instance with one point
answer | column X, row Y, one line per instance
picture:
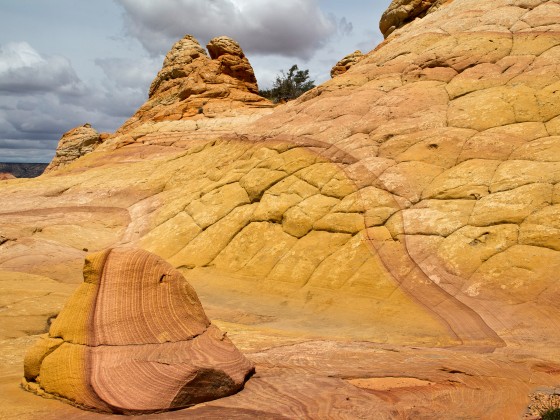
column 411, row 202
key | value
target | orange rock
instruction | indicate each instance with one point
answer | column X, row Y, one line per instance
column 343, row 65
column 134, row 338
column 233, row 61
column 411, row 202
column 401, row 12
column 211, row 93
column 74, row 144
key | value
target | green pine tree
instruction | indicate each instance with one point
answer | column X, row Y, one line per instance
column 289, row 85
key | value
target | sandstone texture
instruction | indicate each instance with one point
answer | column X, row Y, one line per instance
column 343, row 65
column 195, row 93
column 401, row 12
column 134, row 338
column 398, row 221
column 75, row 143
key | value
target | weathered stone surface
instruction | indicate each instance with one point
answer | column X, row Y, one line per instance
column 134, row 338
column 197, row 93
column 183, row 53
column 401, row 12
column 74, row 144
column 410, row 202
column 344, row 64
column 233, row 61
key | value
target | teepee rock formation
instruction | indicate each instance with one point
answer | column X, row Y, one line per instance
column 197, row 93
column 134, row 338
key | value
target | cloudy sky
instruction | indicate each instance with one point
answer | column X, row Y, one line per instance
column 67, row 62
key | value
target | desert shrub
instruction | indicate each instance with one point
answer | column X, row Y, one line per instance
column 289, row 85
column 551, row 414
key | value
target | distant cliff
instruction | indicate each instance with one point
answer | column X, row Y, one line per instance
column 23, row 170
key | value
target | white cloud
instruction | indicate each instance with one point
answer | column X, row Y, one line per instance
column 23, row 70
column 291, row 28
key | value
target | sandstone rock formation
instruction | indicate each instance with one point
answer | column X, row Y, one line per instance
column 196, row 93
column 74, row 144
column 134, row 338
column 343, row 65
column 410, row 204
column 401, row 12
column 233, row 61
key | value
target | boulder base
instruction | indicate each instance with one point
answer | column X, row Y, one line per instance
column 134, row 339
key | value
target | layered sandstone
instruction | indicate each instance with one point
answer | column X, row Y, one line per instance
column 411, row 201
column 134, row 338
column 74, row 144
column 344, row 64
column 197, row 93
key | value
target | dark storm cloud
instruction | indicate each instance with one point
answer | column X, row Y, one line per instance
column 27, row 144
column 291, row 28
column 41, row 98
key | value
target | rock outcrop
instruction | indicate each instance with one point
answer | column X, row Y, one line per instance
column 5, row 175
column 412, row 202
column 343, row 65
column 134, row 339
column 74, row 144
column 199, row 93
column 233, row 61
column 401, row 12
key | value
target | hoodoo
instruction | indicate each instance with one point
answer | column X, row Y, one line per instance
column 74, row 144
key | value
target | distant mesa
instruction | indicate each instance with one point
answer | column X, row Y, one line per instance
column 134, row 339
column 10, row 170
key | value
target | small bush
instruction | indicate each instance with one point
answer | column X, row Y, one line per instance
column 289, row 85
column 551, row 414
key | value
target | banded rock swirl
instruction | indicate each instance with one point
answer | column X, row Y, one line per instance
column 385, row 246
column 134, row 338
